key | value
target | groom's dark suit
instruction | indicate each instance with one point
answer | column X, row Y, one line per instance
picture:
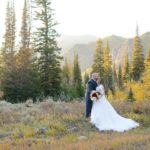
column 91, row 85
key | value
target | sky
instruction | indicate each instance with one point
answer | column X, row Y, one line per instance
column 93, row 17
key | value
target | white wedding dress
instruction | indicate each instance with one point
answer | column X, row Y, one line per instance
column 104, row 116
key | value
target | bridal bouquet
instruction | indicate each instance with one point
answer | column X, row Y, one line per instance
column 95, row 95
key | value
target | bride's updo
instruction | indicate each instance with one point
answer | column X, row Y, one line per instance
column 100, row 81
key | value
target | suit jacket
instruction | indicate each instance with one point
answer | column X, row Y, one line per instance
column 91, row 85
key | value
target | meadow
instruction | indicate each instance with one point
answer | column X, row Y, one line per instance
column 50, row 125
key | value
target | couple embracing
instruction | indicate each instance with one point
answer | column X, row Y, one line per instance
column 101, row 113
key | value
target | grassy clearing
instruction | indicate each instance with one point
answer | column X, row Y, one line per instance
column 57, row 125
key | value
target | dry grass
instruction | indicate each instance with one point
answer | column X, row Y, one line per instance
column 66, row 124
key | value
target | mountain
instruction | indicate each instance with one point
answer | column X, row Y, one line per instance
column 119, row 47
column 85, row 52
column 66, row 42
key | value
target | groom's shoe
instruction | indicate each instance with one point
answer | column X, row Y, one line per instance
column 88, row 116
column 92, row 125
column 88, row 119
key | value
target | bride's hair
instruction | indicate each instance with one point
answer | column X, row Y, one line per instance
column 101, row 81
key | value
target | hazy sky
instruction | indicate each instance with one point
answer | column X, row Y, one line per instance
column 94, row 17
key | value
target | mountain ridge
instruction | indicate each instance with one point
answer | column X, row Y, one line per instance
column 119, row 46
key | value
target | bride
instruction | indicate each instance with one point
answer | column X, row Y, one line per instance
column 104, row 116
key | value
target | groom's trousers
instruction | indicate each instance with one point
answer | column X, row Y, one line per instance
column 88, row 106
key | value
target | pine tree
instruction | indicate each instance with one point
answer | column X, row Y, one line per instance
column 7, row 35
column 131, row 96
column 10, row 35
column 126, row 71
column 115, row 79
column 86, row 77
column 66, row 72
column 138, row 58
column 25, row 29
column 98, row 65
column 67, row 84
column 7, row 42
column 120, row 79
column 27, row 84
column 30, row 15
column 66, row 79
column 77, row 79
column 1, row 67
column 147, row 64
column 108, row 72
column 47, row 49
column 13, row 26
column 8, row 54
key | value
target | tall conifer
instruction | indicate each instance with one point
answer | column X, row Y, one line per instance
column 27, row 85
column 8, row 53
column 47, row 49
column 98, row 65
column 138, row 58
column 77, row 79
column 108, row 72
column 120, row 78
column 126, row 69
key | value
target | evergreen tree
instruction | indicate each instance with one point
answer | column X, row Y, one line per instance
column 120, row 79
column 86, row 77
column 27, row 85
column 30, row 15
column 66, row 72
column 7, row 35
column 115, row 79
column 13, row 26
column 147, row 64
column 67, row 84
column 98, row 65
column 138, row 58
column 66, row 79
column 1, row 67
column 108, row 72
column 131, row 96
column 77, row 79
column 10, row 35
column 8, row 53
column 126, row 71
column 47, row 49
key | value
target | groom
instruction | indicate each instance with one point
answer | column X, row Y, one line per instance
column 91, row 85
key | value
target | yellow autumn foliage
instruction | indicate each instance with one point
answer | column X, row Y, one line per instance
column 110, row 95
column 119, row 95
column 141, row 89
